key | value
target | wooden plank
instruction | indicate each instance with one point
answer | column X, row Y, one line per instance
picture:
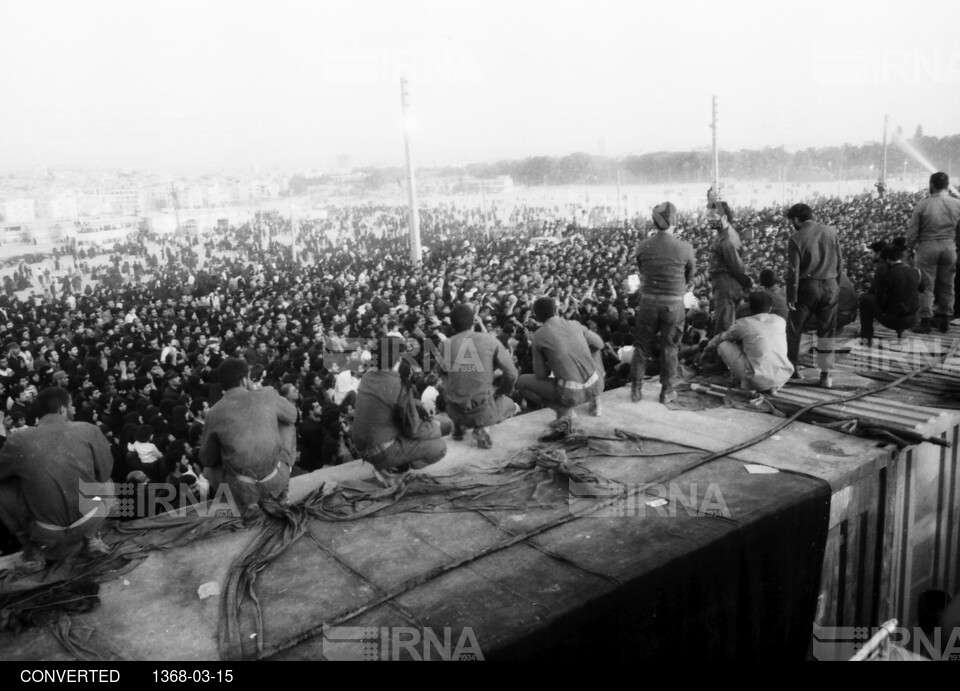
column 949, row 516
column 912, row 419
column 872, row 405
column 892, row 542
column 829, row 578
column 904, row 519
column 857, row 541
column 952, row 519
column 867, row 582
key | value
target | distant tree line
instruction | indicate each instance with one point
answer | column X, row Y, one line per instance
column 769, row 164
column 755, row 164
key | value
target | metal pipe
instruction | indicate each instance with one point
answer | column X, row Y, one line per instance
column 881, row 637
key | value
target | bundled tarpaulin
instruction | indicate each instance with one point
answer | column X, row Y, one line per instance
column 42, row 605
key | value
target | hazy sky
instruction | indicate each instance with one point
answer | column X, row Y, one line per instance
column 208, row 84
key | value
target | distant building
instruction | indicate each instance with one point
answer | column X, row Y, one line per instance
column 19, row 210
column 125, row 200
column 193, row 197
column 343, row 178
column 471, row 185
column 241, row 192
column 94, row 204
column 15, row 233
column 61, row 206
column 263, row 190
column 216, row 197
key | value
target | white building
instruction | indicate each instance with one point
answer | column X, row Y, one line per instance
column 216, row 196
column 94, row 204
column 262, row 190
column 126, row 200
column 63, row 206
column 18, row 210
column 192, row 197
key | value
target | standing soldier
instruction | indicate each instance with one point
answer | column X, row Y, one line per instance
column 814, row 265
column 667, row 265
column 933, row 231
column 728, row 277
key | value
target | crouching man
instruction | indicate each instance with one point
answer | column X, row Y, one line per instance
column 249, row 441
column 755, row 347
column 49, row 477
column 470, row 360
column 377, row 432
column 571, row 353
column 896, row 304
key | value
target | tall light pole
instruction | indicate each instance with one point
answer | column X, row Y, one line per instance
column 883, row 164
column 176, row 204
column 293, row 234
column 881, row 184
column 483, row 203
column 619, row 198
column 415, row 253
column 716, row 152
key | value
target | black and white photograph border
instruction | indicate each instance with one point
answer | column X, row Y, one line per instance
column 528, row 330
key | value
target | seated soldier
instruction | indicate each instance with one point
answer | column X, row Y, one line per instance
column 377, row 432
column 755, row 347
column 896, row 303
column 470, row 360
column 52, row 477
column 249, row 442
column 571, row 353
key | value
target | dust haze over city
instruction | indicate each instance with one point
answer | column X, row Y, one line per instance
column 210, row 86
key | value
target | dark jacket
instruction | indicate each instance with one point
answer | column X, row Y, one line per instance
column 813, row 252
column 898, row 291
column 51, row 461
column 666, row 264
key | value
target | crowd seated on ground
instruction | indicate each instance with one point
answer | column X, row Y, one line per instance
column 136, row 334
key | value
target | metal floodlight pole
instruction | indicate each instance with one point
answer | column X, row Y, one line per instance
column 619, row 198
column 716, row 152
column 415, row 253
column 483, row 204
column 176, row 204
column 883, row 161
column 293, row 234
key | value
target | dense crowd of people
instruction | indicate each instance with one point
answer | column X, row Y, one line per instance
column 136, row 333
